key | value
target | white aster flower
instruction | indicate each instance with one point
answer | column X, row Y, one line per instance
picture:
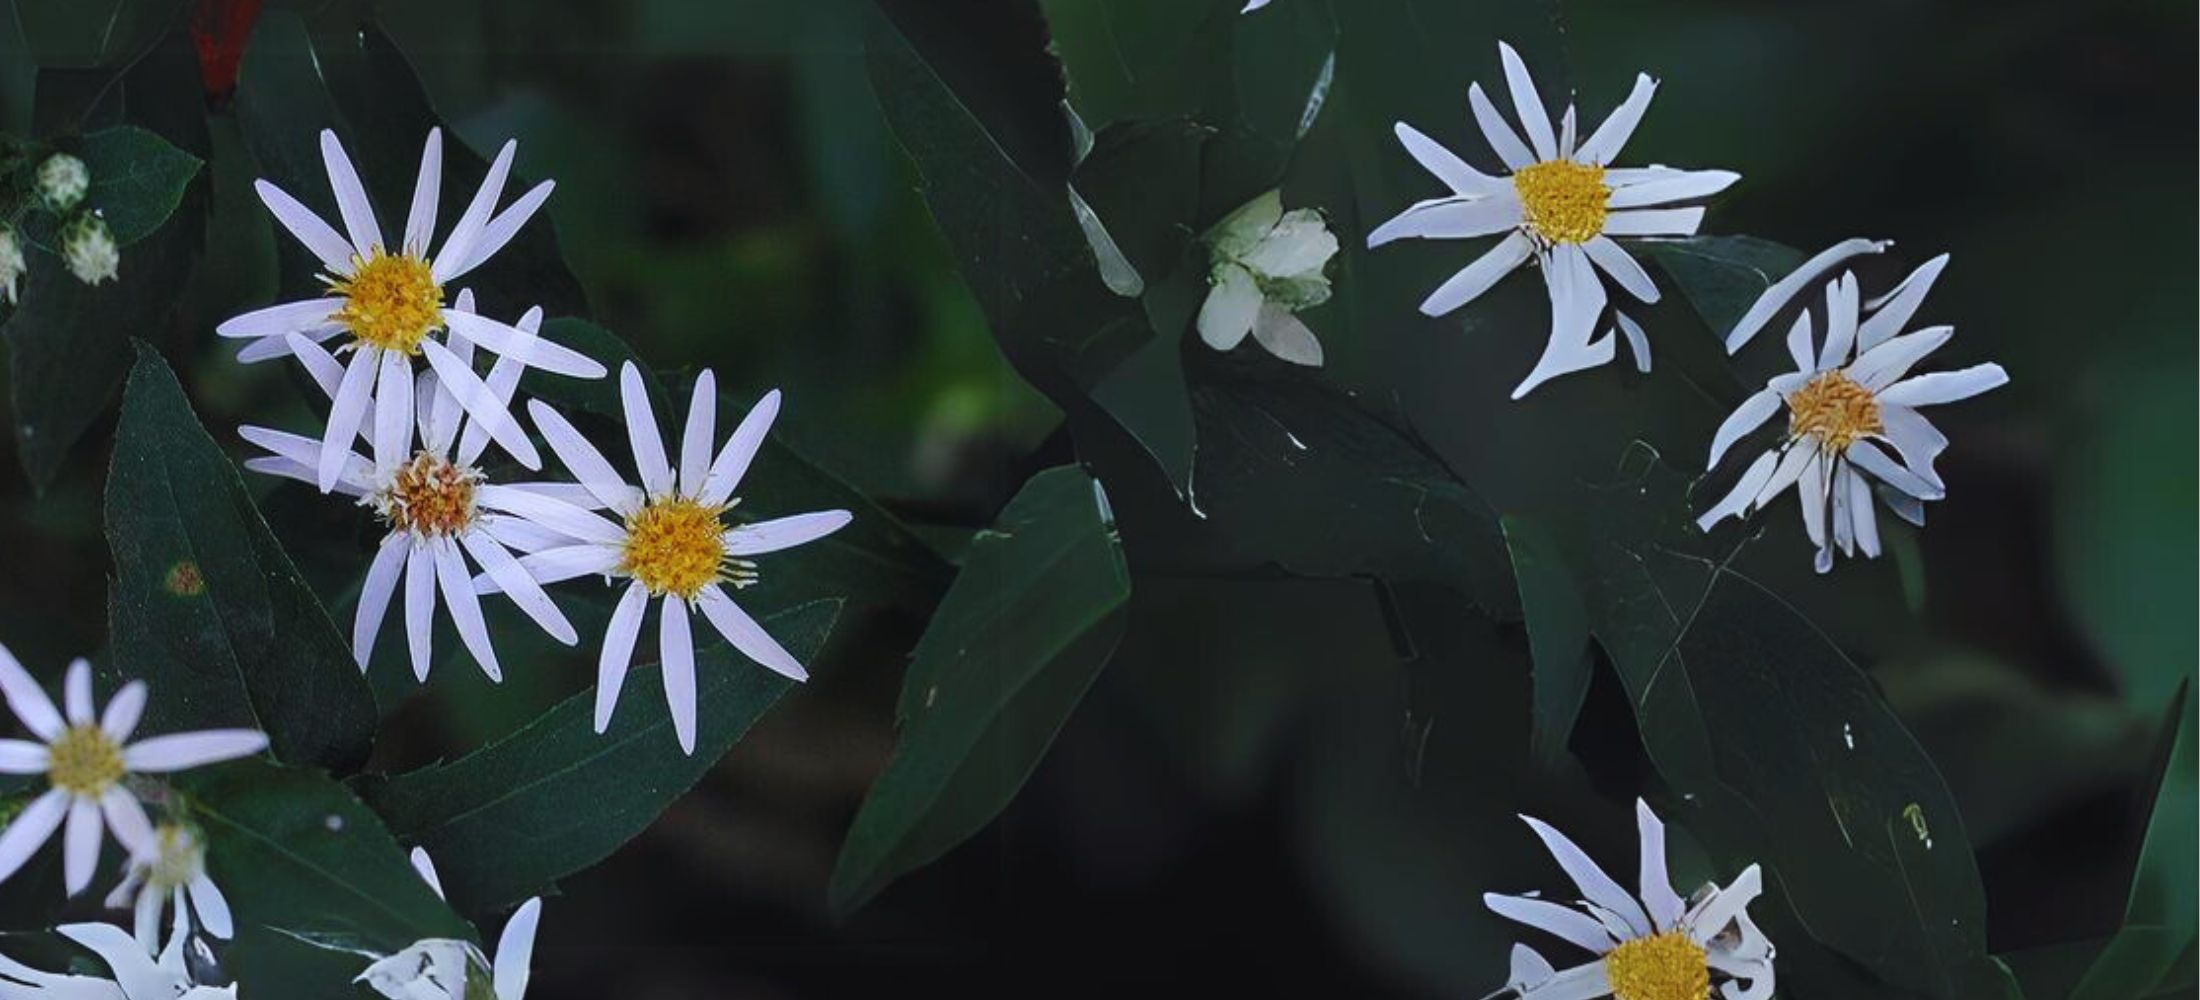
column 89, row 248
column 62, row 182
column 1265, row 266
column 87, row 758
column 389, row 300
column 670, row 541
column 172, row 869
column 1845, row 399
column 12, row 265
column 1561, row 207
column 1657, row 947
column 138, row 975
column 440, row 968
column 425, row 483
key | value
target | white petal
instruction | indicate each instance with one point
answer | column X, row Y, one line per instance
column 22, row 757
column 1892, row 311
column 1582, row 982
column 1868, row 458
column 1596, row 886
column 1664, row 905
column 1565, row 923
column 1785, row 474
column 643, row 434
column 479, row 402
column 269, row 348
column 784, row 533
column 503, row 227
column 1638, row 342
column 76, row 693
column 319, row 237
column 128, row 820
column 182, row 751
column 1503, row 140
column 281, row 319
column 1567, row 125
column 133, row 969
column 465, row 608
column 28, row 700
column 1446, row 165
column 1604, row 144
column 1476, row 278
column 695, row 437
column 1231, row 306
column 733, row 460
column 1812, row 488
column 1945, row 387
column 582, row 459
column 1654, row 222
column 554, row 565
column 351, row 196
column 523, row 536
column 346, row 415
column 515, row 950
column 80, row 844
column 534, row 351
column 1842, row 525
column 327, row 372
column 458, row 248
column 1298, row 247
column 427, row 190
column 1866, row 521
column 420, row 610
column 618, row 651
column 514, row 580
column 746, row 635
column 374, row 596
column 424, row 865
column 28, row 831
column 1841, row 308
column 1747, row 417
column 1799, row 345
column 1714, row 914
column 553, row 514
column 1577, row 300
column 1623, row 268
column 1681, row 185
column 1528, row 104
column 676, row 652
column 1780, row 292
column 393, row 413
column 503, row 381
column 1883, row 365
column 305, row 451
column 213, row 908
column 1286, row 336
column 1918, row 441
column 1450, row 219
column 1738, row 500
column 1528, row 969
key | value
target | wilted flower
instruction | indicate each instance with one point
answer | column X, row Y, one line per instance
column 89, row 248
column 445, row 969
column 1266, row 265
column 1655, row 947
column 1844, row 400
column 172, row 869
column 12, row 265
column 1560, row 207
column 87, row 757
column 62, row 182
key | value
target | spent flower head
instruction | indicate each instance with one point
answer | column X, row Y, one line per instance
column 1265, row 265
column 63, row 181
column 89, row 248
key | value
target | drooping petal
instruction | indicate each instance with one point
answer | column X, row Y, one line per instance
column 1446, row 165
column 676, row 654
column 1231, row 306
column 1577, row 300
column 1935, row 388
column 1562, row 922
column 733, row 460
column 1744, row 493
column 182, row 751
column 1478, row 277
column 1811, row 488
column 746, row 635
column 1680, row 185
column 319, row 237
column 784, row 533
column 618, row 651
column 1603, row 145
column 1782, row 291
column 1596, row 886
column 464, row 607
column 1503, row 140
column 1528, row 104
column 1450, row 219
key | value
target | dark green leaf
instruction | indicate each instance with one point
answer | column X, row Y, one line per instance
column 2156, row 941
column 206, row 606
column 1558, row 631
column 511, row 818
column 1723, row 275
column 1028, row 624
column 138, row 179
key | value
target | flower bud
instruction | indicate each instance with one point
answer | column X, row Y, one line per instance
column 89, row 248
column 62, row 181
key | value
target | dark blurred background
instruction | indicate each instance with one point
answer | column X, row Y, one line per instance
column 730, row 197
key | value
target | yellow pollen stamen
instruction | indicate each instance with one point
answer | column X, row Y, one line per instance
column 675, row 545
column 1834, row 409
column 1666, row 966
column 391, row 301
column 84, row 761
column 429, row 497
column 1563, row 201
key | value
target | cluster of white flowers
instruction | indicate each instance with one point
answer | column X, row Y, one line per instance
column 87, row 246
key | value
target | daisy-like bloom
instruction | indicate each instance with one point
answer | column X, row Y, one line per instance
column 671, row 541
column 1845, row 400
column 425, row 483
column 87, row 758
column 440, row 968
column 389, row 301
column 1657, row 947
column 1265, row 266
column 88, row 247
column 173, row 869
column 1561, row 207
column 12, row 265
column 138, row 974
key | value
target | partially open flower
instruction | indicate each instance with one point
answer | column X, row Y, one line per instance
column 1266, row 265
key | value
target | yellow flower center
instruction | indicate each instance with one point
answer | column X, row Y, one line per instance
column 430, row 497
column 1834, row 409
column 675, row 545
column 84, row 761
column 181, row 860
column 391, row 301
column 1563, row 200
column 1666, row 966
